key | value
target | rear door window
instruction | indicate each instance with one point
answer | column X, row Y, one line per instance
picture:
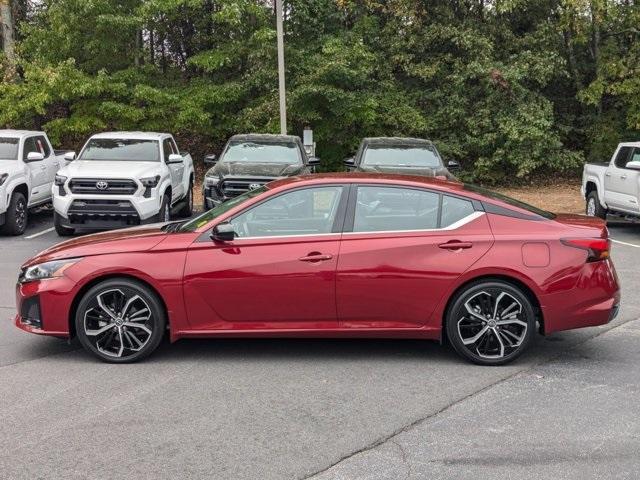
column 454, row 209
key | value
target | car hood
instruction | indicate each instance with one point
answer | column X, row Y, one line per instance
column 10, row 166
column 135, row 239
column 421, row 171
column 259, row 169
column 109, row 169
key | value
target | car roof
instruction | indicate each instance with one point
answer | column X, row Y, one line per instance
column 630, row 144
column 264, row 138
column 19, row 133
column 132, row 135
column 396, row 141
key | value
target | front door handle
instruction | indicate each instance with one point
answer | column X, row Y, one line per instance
column 623, row 177
column 455, row 245
column 315, row 257
column 607, row 174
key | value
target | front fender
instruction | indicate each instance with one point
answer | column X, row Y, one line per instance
column 592, row 178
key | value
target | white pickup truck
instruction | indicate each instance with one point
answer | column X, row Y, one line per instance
column 121, row 179
column 614, row 187
column 28, row 165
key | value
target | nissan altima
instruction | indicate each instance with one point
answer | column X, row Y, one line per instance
column 335, row 255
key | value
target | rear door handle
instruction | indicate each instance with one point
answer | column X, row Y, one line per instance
column 455, row 245
column 315, row 257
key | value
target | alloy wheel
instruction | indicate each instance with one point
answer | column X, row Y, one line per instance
column 492, row 324
column 21, row 214
column 118, row 324
column 591, row 207
column 167, row 213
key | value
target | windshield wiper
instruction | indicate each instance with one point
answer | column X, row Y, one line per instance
column 173, row 226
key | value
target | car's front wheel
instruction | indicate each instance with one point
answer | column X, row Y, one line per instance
column 490, row 322
column 17, row 215
column 120, row 321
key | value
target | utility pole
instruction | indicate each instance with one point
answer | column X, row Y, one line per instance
column 281, row 86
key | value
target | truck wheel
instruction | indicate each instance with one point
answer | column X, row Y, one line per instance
column 594, row 209
column 187, row 210
column 16, row 216
column 61, row 230
column 164, row 215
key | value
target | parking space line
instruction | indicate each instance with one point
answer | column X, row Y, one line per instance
column 29, row 237
column 624, row 243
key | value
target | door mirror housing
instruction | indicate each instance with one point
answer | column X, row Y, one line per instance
column 70, row 156
column 175, row 158
column 633, row 165
column 453, row 165
column 223, row 232
column 210, row 159
column 34, row 157
column 314, row 161
column 349, row 162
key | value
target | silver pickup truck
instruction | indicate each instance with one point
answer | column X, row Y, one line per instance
column 614, row 187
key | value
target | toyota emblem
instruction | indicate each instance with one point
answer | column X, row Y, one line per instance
column 253, row 186
column 102, row 185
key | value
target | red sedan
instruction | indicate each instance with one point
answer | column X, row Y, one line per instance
column 337, row 255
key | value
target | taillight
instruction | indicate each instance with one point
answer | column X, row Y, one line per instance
column 597, row 248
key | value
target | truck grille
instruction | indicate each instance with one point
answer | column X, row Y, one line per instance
column 233, row 187
column 102, row 186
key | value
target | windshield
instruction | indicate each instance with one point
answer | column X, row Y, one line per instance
column 511, row 201
column 285, row 152
column 9, row 148
column 206, row 217
column 423, row 156
column 121, row 150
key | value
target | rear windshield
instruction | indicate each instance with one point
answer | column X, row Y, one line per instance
column 9, row 148
column 399, row 156
column 281, row 152
column 121, row 150
column 510, row 201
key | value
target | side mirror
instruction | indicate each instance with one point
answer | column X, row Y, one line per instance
column 223, row 232
column 34, row 157
column 314, row 161
column 175, row 158
column 210, row 159
column 633, row 165
column 70, row 156
column 349, row 162
column 453, row 165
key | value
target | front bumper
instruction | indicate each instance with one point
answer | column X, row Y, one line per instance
column 43, row 306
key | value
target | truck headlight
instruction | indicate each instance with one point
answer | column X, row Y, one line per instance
column 43, row 271
column 211, row 181
column 150, row 182
column 59, row 180
column 3, row 178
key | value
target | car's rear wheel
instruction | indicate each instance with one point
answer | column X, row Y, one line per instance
column 490, row 322
column 120, row 321
column 594, row 209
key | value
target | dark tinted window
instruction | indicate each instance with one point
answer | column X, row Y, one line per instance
column 168, row 149
column 42, row 146
column 380, row 209
column 9, row 148
column 622, row 157
column 29, row 146
column 306, row 211
column 509, row 201
column 121, row 150
column 454, row 209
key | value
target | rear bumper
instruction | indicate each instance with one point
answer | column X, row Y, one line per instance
column 594, row 300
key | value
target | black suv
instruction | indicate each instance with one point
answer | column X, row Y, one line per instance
column 249, row 161
column 413, row 156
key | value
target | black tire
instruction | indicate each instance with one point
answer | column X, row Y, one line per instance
column 61, row 230
column 165, row 210
column 187, row 210
column 593, row 207
column 123, row 336
column 17, row 215
column 465, row 329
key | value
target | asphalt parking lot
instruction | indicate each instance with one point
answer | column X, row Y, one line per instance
column 298, row 409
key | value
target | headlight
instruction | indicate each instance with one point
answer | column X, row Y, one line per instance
column 3, row 178
column 211, row 181
column 59, row 180
column 150, row 182
column 46, row 270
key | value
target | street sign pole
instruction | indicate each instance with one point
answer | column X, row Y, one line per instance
column 281, row 87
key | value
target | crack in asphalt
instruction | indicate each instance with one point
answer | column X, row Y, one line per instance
column 390, row 437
